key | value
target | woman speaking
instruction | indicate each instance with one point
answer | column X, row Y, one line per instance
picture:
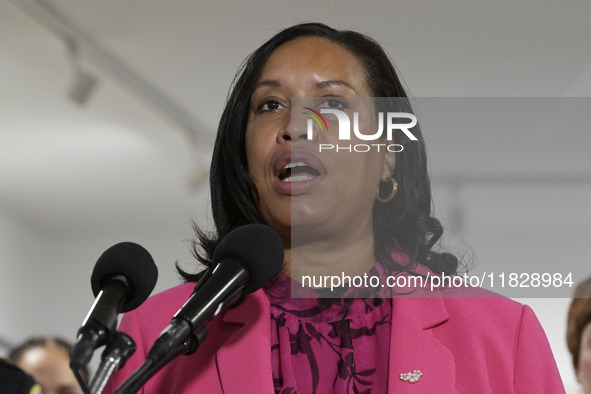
column 342, row 207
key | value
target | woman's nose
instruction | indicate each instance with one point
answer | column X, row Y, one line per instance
column 296, row 128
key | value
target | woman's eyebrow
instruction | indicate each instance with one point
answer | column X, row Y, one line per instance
column 335, row 82
column 273, row 83
column 267, row 82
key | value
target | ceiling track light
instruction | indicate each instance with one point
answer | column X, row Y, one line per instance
column 83, row 83
column 112, row 67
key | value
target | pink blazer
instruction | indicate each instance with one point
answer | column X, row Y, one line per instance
column 461, row 345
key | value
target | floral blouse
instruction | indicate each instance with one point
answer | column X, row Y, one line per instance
column 328, row 345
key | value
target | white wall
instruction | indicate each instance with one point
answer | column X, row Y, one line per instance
column 22, row 249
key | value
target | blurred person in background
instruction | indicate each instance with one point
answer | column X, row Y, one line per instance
column 578, row 334
column 48, row 361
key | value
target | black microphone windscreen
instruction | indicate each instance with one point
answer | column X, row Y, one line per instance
column 132, row 261
column 259, row 247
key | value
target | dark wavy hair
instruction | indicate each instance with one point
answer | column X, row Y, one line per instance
column 405, row 223
column 579, row 316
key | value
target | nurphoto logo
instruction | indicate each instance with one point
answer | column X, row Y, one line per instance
column 387, row 122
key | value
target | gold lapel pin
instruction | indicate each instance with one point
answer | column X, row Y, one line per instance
column 411, row 377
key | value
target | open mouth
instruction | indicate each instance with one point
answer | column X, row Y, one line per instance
column 297, row 171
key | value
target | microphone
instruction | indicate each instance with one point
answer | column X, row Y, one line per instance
column 245, row 260
column 123, row 277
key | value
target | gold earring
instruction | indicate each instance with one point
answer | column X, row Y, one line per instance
column 392, row 193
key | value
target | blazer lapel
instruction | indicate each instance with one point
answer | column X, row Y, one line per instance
column 244, row 361
column 413, row 347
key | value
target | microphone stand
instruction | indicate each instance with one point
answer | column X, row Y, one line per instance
column 80, row 379
column 160, row 353
column 113, row 358
column 153, row 363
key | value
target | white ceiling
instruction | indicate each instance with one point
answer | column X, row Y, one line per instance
column 119, row 161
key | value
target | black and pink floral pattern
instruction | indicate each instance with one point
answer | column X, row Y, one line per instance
column 328, row 345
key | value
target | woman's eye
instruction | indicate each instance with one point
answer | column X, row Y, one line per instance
column 268, row 106
column 334, row 103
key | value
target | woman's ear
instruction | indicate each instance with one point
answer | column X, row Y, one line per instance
column 388, row 165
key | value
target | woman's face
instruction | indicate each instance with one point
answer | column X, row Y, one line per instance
column 326, row 191
column 584, row 371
